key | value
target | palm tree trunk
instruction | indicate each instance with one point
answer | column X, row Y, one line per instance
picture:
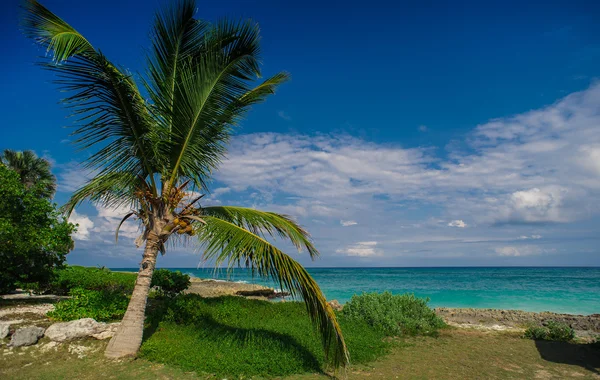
column 128, row 338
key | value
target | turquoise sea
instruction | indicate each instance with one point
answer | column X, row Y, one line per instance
column 562, row 290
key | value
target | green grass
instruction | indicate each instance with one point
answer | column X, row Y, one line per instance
column 232, row 336
column 454, row 354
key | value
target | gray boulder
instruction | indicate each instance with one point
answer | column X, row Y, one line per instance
column 4, row 328
column 80, row 328
column 26, row 336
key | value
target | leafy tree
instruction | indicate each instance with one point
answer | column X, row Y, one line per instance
column 157, row 153
column 34, row 238
column 32, row 170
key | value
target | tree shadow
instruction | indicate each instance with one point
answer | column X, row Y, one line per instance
column 215, row 330
column 583, row 355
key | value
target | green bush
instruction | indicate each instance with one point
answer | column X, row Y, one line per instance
column 102, row 305
column 90, row 278
column 34, row 236
column 170, row 283
column 536, row 333
column 395, row 315
column 557, row 331
column 560, row 331
column 233, row 337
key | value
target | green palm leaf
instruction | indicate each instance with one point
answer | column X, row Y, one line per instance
column 112, row 114
column 226, row 242
column 213, row 91
column 265, row 223
column 111, row 190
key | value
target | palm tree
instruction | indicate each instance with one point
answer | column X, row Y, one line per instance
column 157, row 155
column 32, row 170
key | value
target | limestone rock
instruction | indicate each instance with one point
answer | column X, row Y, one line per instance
column 80, row 328
column 335, row 305
column 4, row 328
column 26, row 336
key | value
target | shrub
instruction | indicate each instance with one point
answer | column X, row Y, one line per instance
column 233, row 337
column 90, row 278
column 102, row 305
column 170, row 283
column 395, row 315
column 536, row 333
column 34, row 237
column 553, row 330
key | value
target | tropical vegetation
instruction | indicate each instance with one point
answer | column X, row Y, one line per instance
column 33, row 171
column 156, row 139
column 34, row 236
column 394, row 314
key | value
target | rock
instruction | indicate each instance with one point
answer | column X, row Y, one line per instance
column 517, row 318
column 4, row 328
column 111, row 329
column 268, row 293
column 80, row 328
column 335, row 305
column 26, row 336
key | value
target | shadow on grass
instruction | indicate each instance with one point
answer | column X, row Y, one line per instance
column 215, row 330
column 583, row 355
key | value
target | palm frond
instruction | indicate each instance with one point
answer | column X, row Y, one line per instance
column 226, row 242
column 214, row 88
column 34, row 171
column 265, row 223
column 110, row 189
column 111, row 113
column 52, row 32
column 176, row 36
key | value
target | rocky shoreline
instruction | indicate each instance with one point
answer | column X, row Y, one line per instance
column 216, row 288
column 516, row 319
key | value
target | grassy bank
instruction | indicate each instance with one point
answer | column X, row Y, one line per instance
column 233, row 336
column 454, row 354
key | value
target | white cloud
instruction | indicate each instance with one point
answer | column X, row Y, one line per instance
column 535, row 167
column 526, row 250
column 347, row 223
column 423, row 128
column 457, row 223
column 85, row 225
column 534, row 237
column 284, row 115
column 361, row 249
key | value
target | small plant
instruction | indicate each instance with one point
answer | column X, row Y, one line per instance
column 560, row 331
column 170, row 283
column 536, row 333
column 90, row 278
column 395, row 315
column 553, row 330
column 103, row 305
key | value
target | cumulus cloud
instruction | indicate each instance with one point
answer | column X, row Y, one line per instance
column 361, row 249
column 457, row 223
column 347, row 223
column 423, row 128
column 84, row 226
column 536, row 167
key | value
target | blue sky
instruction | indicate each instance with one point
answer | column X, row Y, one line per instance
column 437, row 133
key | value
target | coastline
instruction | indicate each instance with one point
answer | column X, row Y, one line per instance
column 586, row 326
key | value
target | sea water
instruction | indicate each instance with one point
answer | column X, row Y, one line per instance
column 561, row 290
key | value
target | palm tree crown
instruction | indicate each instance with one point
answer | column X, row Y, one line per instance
column 32, row 170
column 156, row 153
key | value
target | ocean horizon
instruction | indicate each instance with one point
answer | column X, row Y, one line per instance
column 572, row 290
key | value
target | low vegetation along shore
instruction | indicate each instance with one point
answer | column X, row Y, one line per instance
column 200, row 329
